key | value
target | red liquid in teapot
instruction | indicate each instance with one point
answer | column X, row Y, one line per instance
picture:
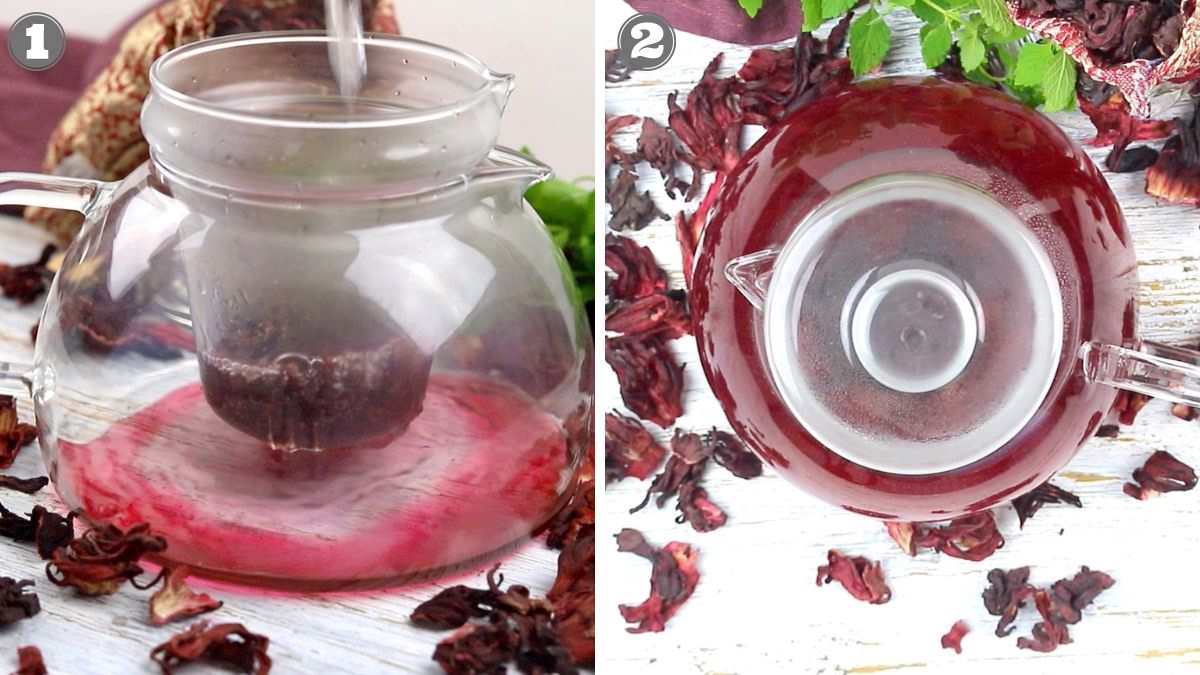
column 916, row 128
column 480, row 468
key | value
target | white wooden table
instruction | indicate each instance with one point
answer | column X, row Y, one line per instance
column 757, row 609
column 353, row 633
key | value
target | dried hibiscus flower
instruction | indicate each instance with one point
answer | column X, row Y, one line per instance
column 697, row 509
column 1175, row 177
column 657, row 147
column 104, row 558
column 970, row 537
column 26, row 485
column 1005, row 595
column 14, row 435
column 454, row 606
column 672, row 580
column 953, row 637
column 774, row 82
column 682, row 473
column 631, row 210
column 228, row 644
column 862, row 578
column 629, row 450
column 1062, row 605
column 613, row 154
column 728, row 451
column 46, row 529
column 24, row 283
column 1109, row 112
column 574, row 598
column 1161, row 473
column 477, row 649
column 662, row 314
column 1046, row 493
column 176, row 600
column 636, row 273
column 15, row 603
column 577, row 516
column 650, row 380
column 29, row 661
column 1128, row 405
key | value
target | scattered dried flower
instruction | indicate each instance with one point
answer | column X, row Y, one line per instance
column 1175, row 177
column 1114, row 121
column 629, row 450
column 971, row 537
column 1185, row 412
column 15, row 603
column 574, row 598
column 476, row 649
column 1046, row 493
column 1128, row 405
column 1005, row 595
column 710, row 127
column 29, row 661
column 454, row 606
column 26, row 485
column 613, row 154
column 1108, row 431
column 1161, row 473
column 650, row 380
column 176, row 600
column 576, row 518
column 1062, row 606
column 631, row 210
column 697, row 509
column 902, row 533
column 103, row 558
column 672, row 581
column 657, row 147
column 953, row 637
column 24, row 283
column 729, row 452
column 14, row 435
column 686, row 464
column 661, row 314
column 774, row 82
column 636, row 273
column 862, row 578
column 228, row 644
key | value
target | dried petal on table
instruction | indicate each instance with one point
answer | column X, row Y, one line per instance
column 1161, row 473
column 576, row 518
column 862, row 578
column 729, row 452
column 25, row 283
column 227, row 644
column 774, row 82
column 1128, row 405
column 29, row 661
column 1047, row 493
column 650, row 380
column 1109, row 112
column 27, row 485
column 14, row 434
column 51, row 531
column 697, row 509
column 672, row 580
column 710, row 127
column 1185, row 412
column 454, row 606
column 1175, row 177
column 15, row 603
column 686, row 464
column 176, row 600
column 662, row 314
column 636, row 273
column 1062, row 605
column 687, row 234
column 902, row 533
column 1005, row 595
column 953, row 637
column 1108, row 431
column 971, row 537
column 631, row 210
column 102, row 559
column 615, row 68
column 657, row 147
column 629, row 450
column 1047, row 634
column 574, row 598
column 613, row 154
column 478, row 648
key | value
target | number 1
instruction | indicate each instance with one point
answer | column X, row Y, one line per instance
column 37, row 42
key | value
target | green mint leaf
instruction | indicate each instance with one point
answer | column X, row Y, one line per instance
column 935, row 45
column 1032, row 64
column 994, row 13
column 927, row 11
column 904, row 3
column 971, row 50
column 870, row 38
column 1058, row 84
column 836, row 8
column 751, row 6
column 812, row 14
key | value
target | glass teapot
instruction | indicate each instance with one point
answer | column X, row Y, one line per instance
column 315, row 342
column 916, row 300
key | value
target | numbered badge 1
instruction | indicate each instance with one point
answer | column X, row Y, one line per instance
column 646, row 42
column 36, row 41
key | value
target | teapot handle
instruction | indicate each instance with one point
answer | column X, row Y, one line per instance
column 1158, row 370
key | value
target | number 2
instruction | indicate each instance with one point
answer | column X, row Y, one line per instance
column 649, row 41
column 37, row 42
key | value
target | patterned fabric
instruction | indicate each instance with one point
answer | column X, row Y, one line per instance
column 1135, row 79
column 100, row 137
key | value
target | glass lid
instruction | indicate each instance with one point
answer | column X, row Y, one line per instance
column 913, row 324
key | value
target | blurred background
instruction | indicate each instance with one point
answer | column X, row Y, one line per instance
column 548, row 45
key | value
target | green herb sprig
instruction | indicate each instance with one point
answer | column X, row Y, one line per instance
column 569, row 211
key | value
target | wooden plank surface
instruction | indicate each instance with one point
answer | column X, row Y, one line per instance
column 757, row 609
column 352, row 633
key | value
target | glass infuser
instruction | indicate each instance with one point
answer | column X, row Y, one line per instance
column 315, row 342
column 917, row 299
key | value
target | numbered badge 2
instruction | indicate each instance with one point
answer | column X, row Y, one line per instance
column 36, row 41
column 646, row 42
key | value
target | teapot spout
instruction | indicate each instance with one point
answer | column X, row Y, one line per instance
column 501, row 86
column 508, row 166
